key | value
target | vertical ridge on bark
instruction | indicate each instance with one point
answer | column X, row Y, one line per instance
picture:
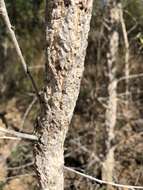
column 111, row 112
column 67, row 27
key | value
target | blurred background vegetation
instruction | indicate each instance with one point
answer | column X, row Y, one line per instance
column 86, row 137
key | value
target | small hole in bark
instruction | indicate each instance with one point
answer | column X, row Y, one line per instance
column 63, row 91
column 57, row 66
column 81, row 6
column 67, row 3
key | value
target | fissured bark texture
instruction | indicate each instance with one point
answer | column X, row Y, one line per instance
column 67, row 27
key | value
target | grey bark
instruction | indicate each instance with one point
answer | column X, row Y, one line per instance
column 67, row 27
column 113, row 14
column 127, row 52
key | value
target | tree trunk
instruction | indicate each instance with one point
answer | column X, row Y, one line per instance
column 67, row 27
column 127, row 54
column 113, row 9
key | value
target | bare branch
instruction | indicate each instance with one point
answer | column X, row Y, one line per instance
column 102, row 181
column 130, row 77
column 20, row 175
column 126, row 42
column 10, row 138
column 27, row 112
column 36, row 67
column 6, row 19
column 22, row 166
column 133, row 19
column 76, row 172
column 82, row 147
column 18, row 134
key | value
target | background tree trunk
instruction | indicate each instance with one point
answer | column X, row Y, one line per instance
column 113, row 14
column 67, row 26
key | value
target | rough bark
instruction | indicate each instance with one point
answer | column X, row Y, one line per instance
column 111, row 112
column 67, row 26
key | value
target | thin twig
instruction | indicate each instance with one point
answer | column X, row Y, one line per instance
column 10, row 138
column 27, row 112
column 18, row 134
column 19, row 176
column 36, row 67
column 21, row 167
column 133, row 19
column 5, row 16
column 78, row 173
column 102, row 181
column 130, row 77
column 126, row 42
column 82, row 147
